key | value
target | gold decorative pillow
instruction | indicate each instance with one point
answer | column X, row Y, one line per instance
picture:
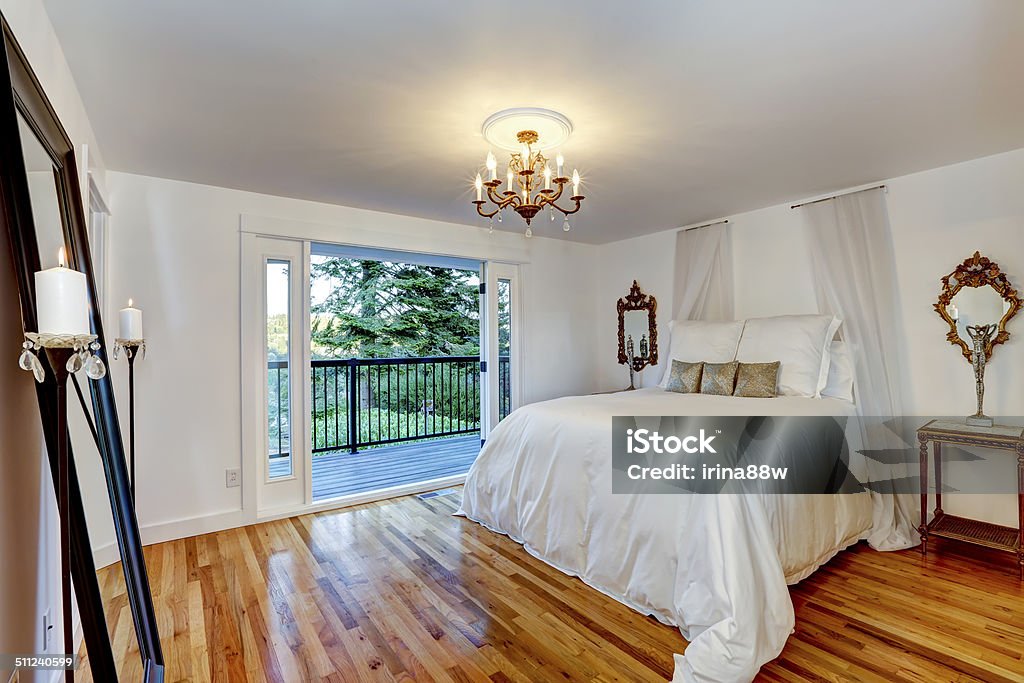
column 718, row 379
column 684, row 378
column 757, row 380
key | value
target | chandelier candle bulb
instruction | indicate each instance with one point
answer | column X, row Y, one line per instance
column 547, row 177
column 492, row 165
column 62, row 301
column 575, row 183
column 559, row 162
column 479, row 185
column 131, row 322
column 510, row 178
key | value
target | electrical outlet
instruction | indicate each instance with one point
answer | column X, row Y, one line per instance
column 47, row 630
column 232, row 477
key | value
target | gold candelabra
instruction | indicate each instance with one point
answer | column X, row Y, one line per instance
column 528, row 169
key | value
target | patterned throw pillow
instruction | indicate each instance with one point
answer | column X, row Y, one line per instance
column 719, row 379
column 684, row 378
column 757, row 380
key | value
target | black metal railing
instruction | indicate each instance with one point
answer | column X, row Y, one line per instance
column 278, row 409
column 366, row 402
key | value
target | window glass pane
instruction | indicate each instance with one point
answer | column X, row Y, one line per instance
column 504, row 348
column 278, row 319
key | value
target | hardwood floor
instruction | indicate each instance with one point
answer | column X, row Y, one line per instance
column 401, row 590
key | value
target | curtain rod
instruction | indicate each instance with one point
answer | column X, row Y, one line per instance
column 841, row 194
column 706, row 225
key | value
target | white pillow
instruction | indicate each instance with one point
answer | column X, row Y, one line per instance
column 693, row 341
column 799, row 342
column 840, row 372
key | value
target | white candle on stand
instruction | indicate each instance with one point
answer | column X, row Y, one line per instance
column 62, row 300
column 131, row 322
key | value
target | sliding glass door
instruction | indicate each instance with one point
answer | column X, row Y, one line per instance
column 369, row 372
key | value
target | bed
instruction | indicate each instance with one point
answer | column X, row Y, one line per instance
column 715, row 566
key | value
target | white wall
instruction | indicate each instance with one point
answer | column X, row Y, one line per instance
column 939, row 218
column 29, row 538
column 175, row 250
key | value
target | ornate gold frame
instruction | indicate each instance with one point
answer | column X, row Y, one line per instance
column 636, row 300
column 977, row 271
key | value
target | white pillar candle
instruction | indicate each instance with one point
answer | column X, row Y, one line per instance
column 131, row 322
column 62, row 300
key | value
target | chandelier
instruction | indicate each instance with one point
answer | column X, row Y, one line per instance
column 530, row 185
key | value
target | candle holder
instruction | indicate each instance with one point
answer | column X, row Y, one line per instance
column 66, row 354
column 131, row 349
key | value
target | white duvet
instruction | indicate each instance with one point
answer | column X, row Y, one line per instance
column 716, row 566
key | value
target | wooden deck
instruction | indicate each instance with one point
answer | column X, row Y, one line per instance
column 342, row 473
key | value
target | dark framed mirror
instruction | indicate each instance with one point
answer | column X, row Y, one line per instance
column 42, row 210
column 638, row 329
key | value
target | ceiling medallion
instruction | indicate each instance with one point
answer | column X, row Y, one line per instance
column 526, row 132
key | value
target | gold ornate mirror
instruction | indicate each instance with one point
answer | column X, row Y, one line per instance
column 638, row 329
column 977, row 294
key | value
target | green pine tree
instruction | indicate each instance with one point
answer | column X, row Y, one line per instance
column 378, row 309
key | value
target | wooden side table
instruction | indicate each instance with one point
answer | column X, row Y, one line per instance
column 942, row 525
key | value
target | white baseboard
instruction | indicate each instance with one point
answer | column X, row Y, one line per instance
column 108, row 554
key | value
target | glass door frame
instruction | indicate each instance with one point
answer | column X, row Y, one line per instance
column 263, row 494
column 490, row 409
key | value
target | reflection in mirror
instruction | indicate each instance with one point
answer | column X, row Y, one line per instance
column 42, row 189
column 636, row 334
column 50, row 236
column 976, row 306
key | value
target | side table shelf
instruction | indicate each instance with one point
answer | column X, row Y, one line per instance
column 952, row 527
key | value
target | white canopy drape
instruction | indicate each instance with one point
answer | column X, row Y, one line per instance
column 854, row 266
column 703, row 287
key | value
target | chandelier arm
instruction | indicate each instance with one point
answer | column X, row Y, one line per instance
column 569, row 212
column 546, row 199
column 480, row 210
column 493, row 195
column 558, row 193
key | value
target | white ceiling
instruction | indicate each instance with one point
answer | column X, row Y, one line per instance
column 684, row 111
